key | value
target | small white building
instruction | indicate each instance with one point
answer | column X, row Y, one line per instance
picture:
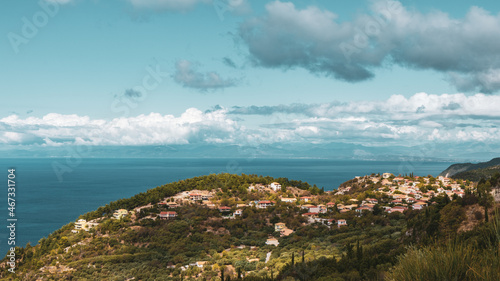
column 272, row 241
column 419, row 205
column 264, row 204
column 289, row 200
column 279, row 226
column 118, row 214
column 168, row 215
column 82, row 224
column 341, row 223
column 276, row 186
column 201, row 264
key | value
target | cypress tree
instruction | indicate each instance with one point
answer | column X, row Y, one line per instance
column 359, row 252
column 350, row 252
column 303, row 258
column 293, row 259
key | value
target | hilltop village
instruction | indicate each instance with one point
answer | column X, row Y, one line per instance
column 379, row 194
column 394, row 194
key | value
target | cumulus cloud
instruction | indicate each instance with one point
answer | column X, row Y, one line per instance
column 447, row 119
column 418, row 106
column 465, row 50
column 456, row 117
column 192, row 126
column 188, row 76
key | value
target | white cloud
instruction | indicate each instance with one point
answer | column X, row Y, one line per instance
column 396, row 121
column 418, row 106
column 419, row 118
column 52, row 129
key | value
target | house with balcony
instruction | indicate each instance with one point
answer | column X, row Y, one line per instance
column 168, row 215
column 264, row 204
column 195, row 196
column 118, row 214
column 289, row 200
column 306, row 198
column 224, row 209
column 341, row 222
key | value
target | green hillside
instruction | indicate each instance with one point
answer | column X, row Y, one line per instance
column 208, row 242
column 485, row 168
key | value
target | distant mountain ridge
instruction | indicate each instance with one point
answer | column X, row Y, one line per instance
column 465, row 169
column 332, row 150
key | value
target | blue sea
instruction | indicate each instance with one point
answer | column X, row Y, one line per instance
column 53, row 192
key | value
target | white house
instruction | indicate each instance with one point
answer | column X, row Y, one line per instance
column 312, row 208
column 276, row 186
column 264, row 204
column 341, row 223
column 279, row 226
column 306, row 198
column 386, row 175
column 82, row 224
column 419, row 205
column 118, row 214
column 168, row 215
column 272, row 241
column 289, row 200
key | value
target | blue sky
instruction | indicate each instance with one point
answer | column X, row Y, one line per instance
column 160, row 72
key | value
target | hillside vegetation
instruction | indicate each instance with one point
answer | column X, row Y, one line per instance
column 473, row 171
column 230, row 234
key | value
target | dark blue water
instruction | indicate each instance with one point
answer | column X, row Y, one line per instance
column 45, row 202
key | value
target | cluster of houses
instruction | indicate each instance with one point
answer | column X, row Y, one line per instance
column 82, row 224
column 403, row 193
